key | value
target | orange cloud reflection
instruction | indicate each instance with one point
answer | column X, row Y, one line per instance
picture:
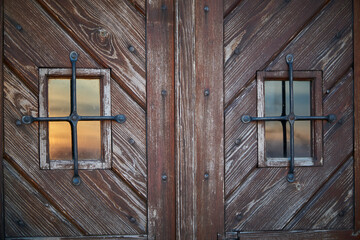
column 88, row 104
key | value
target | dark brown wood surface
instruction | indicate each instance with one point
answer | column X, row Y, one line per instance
column 357, row 112
column 108, row 202
column 319, row 35
column 2, row 209
column 160, row 119
column 298, row 235
column 107, row 31
column 199, row 128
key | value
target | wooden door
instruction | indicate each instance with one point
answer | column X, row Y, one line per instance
column 259, row 202
column 184, row 165
column 107, row 35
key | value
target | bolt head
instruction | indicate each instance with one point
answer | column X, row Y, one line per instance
column 206, row 176
column 206, row 8
column 207, row 92
column 164, row 177
column 289, row 58
column 131, row 49
column 73, row 56
column 76, row 180
column 290, row 178
column 246, row 119
column 120, row 118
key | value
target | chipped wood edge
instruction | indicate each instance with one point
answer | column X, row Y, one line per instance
column 2, row 207
column 356, row 12
column 105, row 89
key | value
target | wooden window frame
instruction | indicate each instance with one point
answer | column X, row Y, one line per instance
column 105, row 108
column 315, row 77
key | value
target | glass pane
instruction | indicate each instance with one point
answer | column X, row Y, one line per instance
column 277, row 142
column 88, row 104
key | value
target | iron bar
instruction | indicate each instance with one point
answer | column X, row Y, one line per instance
column 73, row 119
column 283, row 113
column 291, row 118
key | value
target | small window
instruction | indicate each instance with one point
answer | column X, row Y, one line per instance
column 93, row 99
column 274, row 136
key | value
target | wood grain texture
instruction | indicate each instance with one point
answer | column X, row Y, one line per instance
column 299, row 235
column 329, row 50
column 209, row 125
column 40, row 219
column 107, row 237
column 241, row 152
column 160, row 119
column 100, row 192
column 186, row 139
column 268, row 187
column 254, row 32
column 331, row 207
column 32, row 40
column 2, row 210
column 356, row 30
column 107, row 31
column 139, row 5
column 199, row 120
column 230, row 5
column 129, row 141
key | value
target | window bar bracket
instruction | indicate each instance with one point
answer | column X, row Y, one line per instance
column 73, row 119
column 291, row 118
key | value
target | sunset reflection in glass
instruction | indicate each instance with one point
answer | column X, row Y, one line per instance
column 89, row 132
column 274, row 141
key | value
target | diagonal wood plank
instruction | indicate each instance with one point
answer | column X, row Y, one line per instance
column 26, row 50
column 113, row 32
column 101, row 191
column 324, row 44
column 139, row 5
column 129, row 141
column 265, row 186
column 254, row 32
column 240, row 139
column 41, row 219
column 230, row 5
column 332, row 206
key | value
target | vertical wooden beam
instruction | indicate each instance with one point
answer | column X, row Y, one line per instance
column 2, row 207
column 186, row 139
column 357, row 112
column 160, row 119
column 200, row 119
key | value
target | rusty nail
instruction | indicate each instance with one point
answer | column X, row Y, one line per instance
column 206, row 8
column 207, row 92
column 131, row 141
column 131, row 48
column 164, row 177
column 238, row 141
column 163, row 92
column 206, row 176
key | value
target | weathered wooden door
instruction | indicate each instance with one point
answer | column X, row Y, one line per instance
column 258, row 35
column 184, row 165
column 107, row 35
